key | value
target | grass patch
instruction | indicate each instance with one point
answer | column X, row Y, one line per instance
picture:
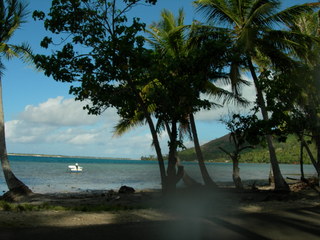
column 24, row 207
column 102, row 208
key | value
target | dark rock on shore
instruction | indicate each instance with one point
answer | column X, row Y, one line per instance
column 126, row 189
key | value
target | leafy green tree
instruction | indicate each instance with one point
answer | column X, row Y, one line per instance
column 12, row 15
column 171, row 37
column 198, row 61
column 293, row 96
column 309, row 98
column 103, row 56
column 240, row 137
column 259, row 43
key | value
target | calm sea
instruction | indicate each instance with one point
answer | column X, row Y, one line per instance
column 50, row 174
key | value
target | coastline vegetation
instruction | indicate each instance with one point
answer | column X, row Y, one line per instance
column 288, row 152
column 157, row 75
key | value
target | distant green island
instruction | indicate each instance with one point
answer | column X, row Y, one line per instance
column 65, row 156
column 287, row 152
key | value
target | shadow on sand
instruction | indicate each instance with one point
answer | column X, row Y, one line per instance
column 290, row 224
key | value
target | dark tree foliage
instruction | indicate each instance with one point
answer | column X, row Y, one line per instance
column 101, row 50
column 241, row 134
column 176, row 91
column 293, row 99
column 179, row 83
column 104, row 58
column 102, row 55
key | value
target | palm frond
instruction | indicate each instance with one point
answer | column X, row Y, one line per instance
column 289, row 15
column 185, row 130
column 228, row 97
column 2, row 68
column 161, row 125
column 219, row 11
column 168, row 35
column 126, row 124
column 12, row 15
column 278, row 58
column 305, row 33
column 200, row 34
column 260, row 13
column 235, row 76
column 22, row 51
column 181, row 17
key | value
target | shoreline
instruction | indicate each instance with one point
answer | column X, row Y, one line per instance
column 67, row 156
column 134, row 159
column 259, row 193
column 148, row 214
column 70, row 189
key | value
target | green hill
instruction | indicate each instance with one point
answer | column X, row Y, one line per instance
column 287, row 152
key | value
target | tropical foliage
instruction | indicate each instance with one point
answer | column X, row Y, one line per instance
column 107, row 61
column 117, row 71
column 288, row 152
column 12, row 15
column 260, row 44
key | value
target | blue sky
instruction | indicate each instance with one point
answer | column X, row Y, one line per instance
column 41, row 117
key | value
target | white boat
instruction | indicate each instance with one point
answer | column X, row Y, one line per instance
column 75, row 168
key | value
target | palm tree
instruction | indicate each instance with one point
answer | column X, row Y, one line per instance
column 12, row 14
column 254, row 27
column 171, row 37
column 308, row 99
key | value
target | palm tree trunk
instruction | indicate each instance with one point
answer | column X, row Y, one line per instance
column 172, row 175
column 236, row 173
column 301, row 161
column 13, row 183
column 204, row 172
column 279, row 182
column 317, row 141
column 154, row 136
column 158, row 151
column 312, row 158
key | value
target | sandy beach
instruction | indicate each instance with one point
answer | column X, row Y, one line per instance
column 189, row 214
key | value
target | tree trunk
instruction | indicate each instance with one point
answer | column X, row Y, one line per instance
column 204, row 172
column 153, row 134
column 172, row 175
column 235, row 166
column 158, row 152
column 13, row 183
column 236, row 173
column 279, row 182
column 313, row 160
column 317, row 140
column 301, row 161
column 271, row 177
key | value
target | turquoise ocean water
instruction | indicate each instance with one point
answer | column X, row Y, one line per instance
column 50, row 174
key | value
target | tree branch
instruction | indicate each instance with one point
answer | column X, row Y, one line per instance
column 226, row 152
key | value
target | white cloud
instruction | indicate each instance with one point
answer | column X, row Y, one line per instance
column 24, row 132
column 61, row 126
column 58, row 112
column 76, row 135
